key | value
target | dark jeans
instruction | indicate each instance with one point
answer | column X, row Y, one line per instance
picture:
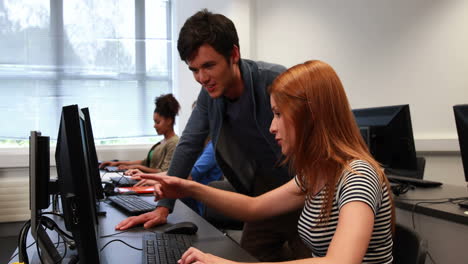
column 275, row 239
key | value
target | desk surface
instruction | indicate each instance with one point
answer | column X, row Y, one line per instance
column 208, row 238
column 422, row 200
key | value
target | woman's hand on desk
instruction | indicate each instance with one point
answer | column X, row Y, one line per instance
column 132, row 172
column 108, row 163
column 146, row 182
column 127, row 167
column 150, row 219
column 193, row 255
column 141, row 182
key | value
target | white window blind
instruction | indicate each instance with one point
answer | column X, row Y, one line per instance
column 112, row 56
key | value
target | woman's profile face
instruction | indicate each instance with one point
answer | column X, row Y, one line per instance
column 284, row 132
column 162, row 124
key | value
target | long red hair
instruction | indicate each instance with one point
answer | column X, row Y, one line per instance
column 311, row 98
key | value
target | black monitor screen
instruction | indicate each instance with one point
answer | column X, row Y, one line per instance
column 365, row 134
column 93, row 160
column 388, row 132
column 461, row 121
column 75, row 184
column 39, row 177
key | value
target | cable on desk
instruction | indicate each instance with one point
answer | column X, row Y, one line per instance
column 23, row 235
column 124, row 231
column 58, row 241
column 48, row 224
column 122, row 175
column 119, row 240
column 401, row 188
column 459, row 200
column 437, row 201
column 30, row 245
column 52, row 213
column 118, row 233
column 455, row 200
column 57, row 245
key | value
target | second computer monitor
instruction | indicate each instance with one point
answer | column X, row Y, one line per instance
column 92, row 155
column 75, row 184
column 389, row 134
column 461, row 121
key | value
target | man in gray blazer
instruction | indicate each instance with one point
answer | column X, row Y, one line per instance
column 233, row 108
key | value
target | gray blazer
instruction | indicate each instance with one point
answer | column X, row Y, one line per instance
column 207, row 119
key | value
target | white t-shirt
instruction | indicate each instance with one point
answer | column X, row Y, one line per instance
column 364, row 186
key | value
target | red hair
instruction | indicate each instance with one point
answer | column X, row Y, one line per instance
column 311, row 98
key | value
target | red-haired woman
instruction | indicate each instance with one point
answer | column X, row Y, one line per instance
column 347, row 208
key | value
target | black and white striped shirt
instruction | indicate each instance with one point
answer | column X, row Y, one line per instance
column 363, row 186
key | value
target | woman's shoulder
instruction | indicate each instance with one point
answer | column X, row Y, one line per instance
column 173, row 140
column 359, row 168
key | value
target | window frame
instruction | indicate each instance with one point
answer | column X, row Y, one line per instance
column 140, row 75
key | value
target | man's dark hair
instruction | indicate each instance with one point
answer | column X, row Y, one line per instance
column 205, row 27
column 167, row 106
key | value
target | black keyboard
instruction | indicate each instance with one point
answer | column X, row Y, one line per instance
column 413, row 181
column 113, row 169
column 161, row 248
column 123, row 181
column 132, row 204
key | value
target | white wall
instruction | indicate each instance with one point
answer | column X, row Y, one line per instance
column 386, row 52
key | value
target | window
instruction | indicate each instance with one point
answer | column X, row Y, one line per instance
column 113, row 56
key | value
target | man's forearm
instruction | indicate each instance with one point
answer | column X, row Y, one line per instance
column 235, row 205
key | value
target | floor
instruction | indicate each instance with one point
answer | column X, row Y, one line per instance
column 9, row 245
column 8, row 239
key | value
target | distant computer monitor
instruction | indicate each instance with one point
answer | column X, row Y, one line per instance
column 39, row 177
column 93, row 159
column 388, row 132
column 461, row 121
column 75, row 184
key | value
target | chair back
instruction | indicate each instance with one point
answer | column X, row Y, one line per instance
column 408, row 246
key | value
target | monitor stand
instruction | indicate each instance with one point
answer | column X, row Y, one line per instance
column 417, row 174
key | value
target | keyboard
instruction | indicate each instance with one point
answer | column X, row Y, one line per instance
column 113, row 169
column 132, row 204
column 413, row 181
column 123, row 181
column 161, row 248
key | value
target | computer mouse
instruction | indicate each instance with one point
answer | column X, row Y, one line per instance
column 186, row 228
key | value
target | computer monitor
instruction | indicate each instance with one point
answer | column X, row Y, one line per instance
column 461, row 121
column 39, row 177
column 388, row 132
column 75, row 184
column 93, row 160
